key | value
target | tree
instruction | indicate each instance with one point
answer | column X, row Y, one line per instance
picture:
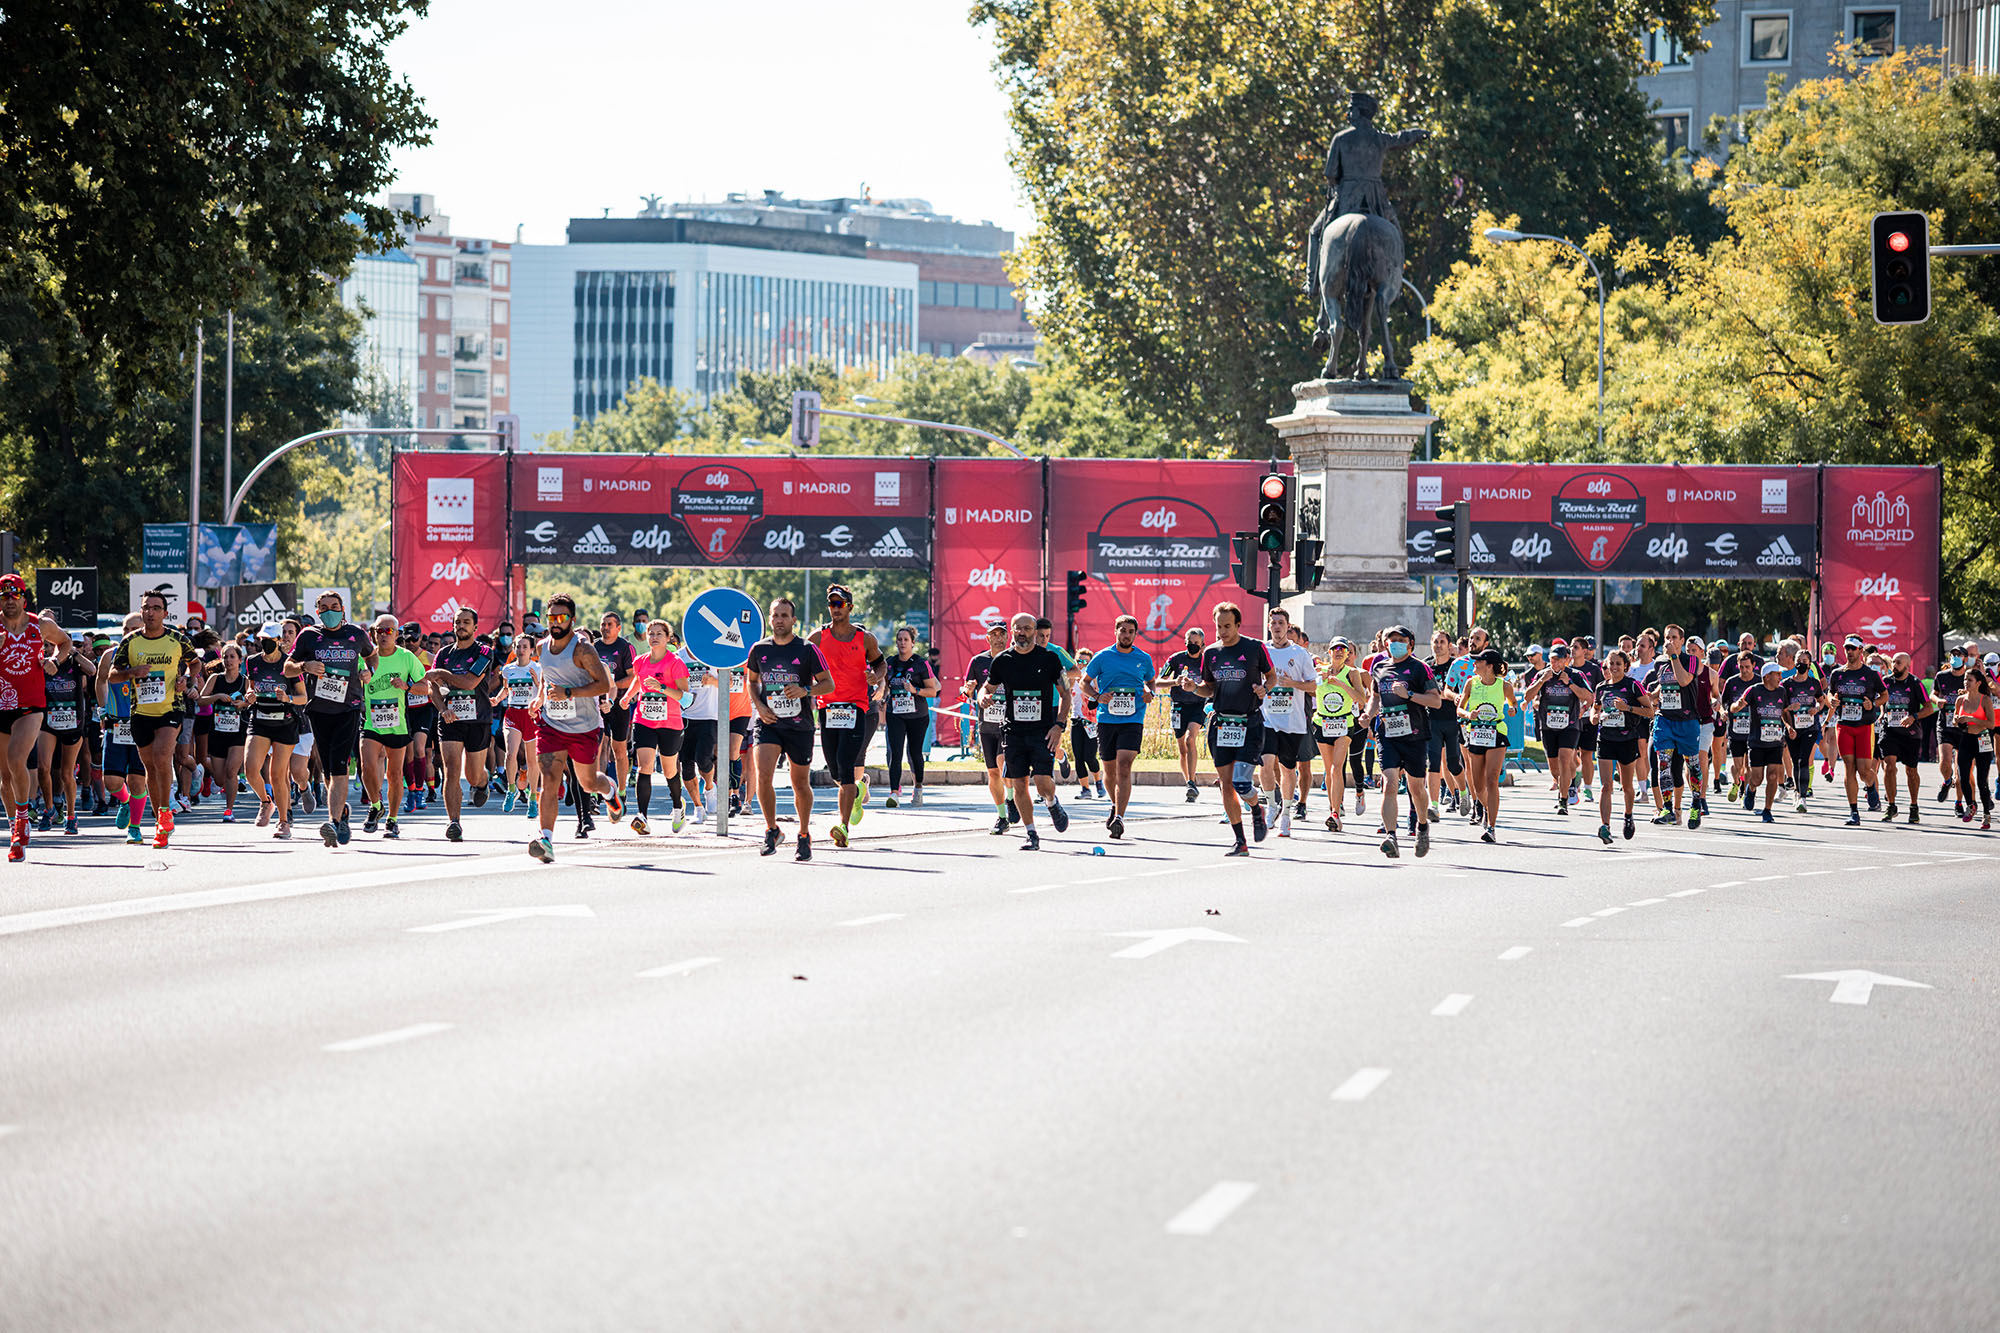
column 1173, row 152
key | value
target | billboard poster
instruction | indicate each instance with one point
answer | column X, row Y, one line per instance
column 834, row 512
column 174, row 587
column 251, row 605
column 1879, row 569
column 449, row 536
column 164, row 548
column 1613, row 520
column 1153, row 536
column 988, row 558
column 68, row 594
column 228, row 554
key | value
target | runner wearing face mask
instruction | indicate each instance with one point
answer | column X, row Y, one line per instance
column 1857, row 696
column 336, row 659
column 1945, row 685
column 1624, row 709
column 1975, row 719
column 1676, row 732
column 1404, row 694
column 1805, row 705
column 1770, row 726
column 1236, row 675
column 1905, row 704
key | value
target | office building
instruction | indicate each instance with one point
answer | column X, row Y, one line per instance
column 964, row 296
column 464, row 317
column 382, row 289
column 1971, row 34
column 1748, row 43
column 693, row 304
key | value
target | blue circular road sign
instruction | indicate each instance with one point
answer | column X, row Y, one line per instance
column 721, row 625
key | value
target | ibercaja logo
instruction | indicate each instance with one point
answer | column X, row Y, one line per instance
column 1158, row 555
column 1598, row 512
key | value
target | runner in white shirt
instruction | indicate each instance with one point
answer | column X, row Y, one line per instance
column 1285, row 736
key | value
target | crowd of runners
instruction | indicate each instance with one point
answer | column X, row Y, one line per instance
column 322, row 715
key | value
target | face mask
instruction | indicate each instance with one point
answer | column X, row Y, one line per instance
column 506, row 640
column 1399, row 650
column 1958, row 659
column 329, row 618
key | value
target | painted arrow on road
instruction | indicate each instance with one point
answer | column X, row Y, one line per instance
column 488, row 916
column 1155, row 941
column 1854, row 987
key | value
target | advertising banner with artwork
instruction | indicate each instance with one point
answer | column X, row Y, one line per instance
column 448, row 537
column 989, row 560
column 1613, row 520
column 1879, row 567
column 839, row 512
column 1153, row 536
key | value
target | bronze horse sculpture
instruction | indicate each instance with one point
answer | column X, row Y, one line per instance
column 1360, row 276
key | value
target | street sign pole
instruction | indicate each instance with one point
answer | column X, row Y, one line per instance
column 728, row 678
column 720, row 626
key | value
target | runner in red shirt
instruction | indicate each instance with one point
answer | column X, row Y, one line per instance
column 23, row 700
column 847, row 714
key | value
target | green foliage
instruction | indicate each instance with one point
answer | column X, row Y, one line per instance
column 1762, row 349
column 1173, row 151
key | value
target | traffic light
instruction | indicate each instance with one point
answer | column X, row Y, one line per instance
column 1453, row 542
column 1306, row 569
column 1899, row 268
column 1243, row 561
column 1077, row 601
column 1274, row 512
column 805, row 418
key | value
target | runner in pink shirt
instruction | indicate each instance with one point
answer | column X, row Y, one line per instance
column 659, row 682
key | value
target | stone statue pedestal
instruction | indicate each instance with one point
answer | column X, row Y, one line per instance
column 1352, row 442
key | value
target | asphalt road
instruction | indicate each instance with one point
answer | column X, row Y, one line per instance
column 933, row 1082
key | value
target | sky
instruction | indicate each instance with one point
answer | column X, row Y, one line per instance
column 548, row 111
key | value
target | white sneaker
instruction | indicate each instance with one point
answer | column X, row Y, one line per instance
column 1285, row 822
column 1360, row 803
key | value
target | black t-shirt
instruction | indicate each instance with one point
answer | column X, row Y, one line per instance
column 976, row 673
column 65, row 690
column 1802, row 698
column 901, row 684
column 777, row 665
column 1734, row 688
column 1852, row 689
column 1591, row 672
column 1401, row 719
column 1184, row 699
column 1948, row 685
column 1902, row 698
column 1032, row 682
column 1677, row 701
column 477, row 658
column 1236, row 672
column 1561, row 708
column 272, row 687
column 617, row 658
column 1612, row 724
column 1447, row 711
column 343, row 651
column 1767, row 714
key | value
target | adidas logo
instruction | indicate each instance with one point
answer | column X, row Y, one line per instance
column 1779, row 552
column 892, row 544
column 595, row 542
column 448, row 612
column 1481, row 553
column 267, row 607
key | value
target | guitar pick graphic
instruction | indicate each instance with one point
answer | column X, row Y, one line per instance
column 717, row 504
column 1598, row 512
column 1160, row 556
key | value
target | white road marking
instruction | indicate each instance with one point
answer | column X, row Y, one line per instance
column 5, row 1130
column 1609, row 911
column 1646, row 902
column 1036, row 888
column 1106, row 879
column 1211, row 1209
column 1727, row 884
column 1516, row 954
column 1854, row 985
column 487, row 916
column 1686, row 893
column 1802, row 874
column 1905, row 865
column 1855, row 870
column 872, row 920
column 1451, row 1006
column 680, row 969
column 389, row 1038
column 1580, row 921
column 1360, row 1084
column 1760, row 879
column 1155, row 941
column 1155, row 874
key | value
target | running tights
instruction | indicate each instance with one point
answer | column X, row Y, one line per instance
column 1801, row 748
column 1969, row 757
column 1669, row 761
column 1360, row 759
column 906, row 737
column 1083, row 745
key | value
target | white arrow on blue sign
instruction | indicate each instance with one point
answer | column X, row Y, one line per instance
column 721, row 625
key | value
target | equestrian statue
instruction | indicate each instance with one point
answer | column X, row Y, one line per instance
column 1354, row 261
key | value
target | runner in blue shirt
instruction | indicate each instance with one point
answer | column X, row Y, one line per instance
column 1120, row 680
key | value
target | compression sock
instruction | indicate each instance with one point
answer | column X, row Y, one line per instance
column 646, row 793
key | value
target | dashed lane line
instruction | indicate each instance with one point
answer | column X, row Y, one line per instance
column 1516, row 954
column 1212, row 1209
column 1609, row 911
column 1646, row 902
column 1727, row 884
column 1580, row 921
column 1038, row 888
column 389, row 1038
column 1359, row 1084
column 1763, row 879
column 1451, row 1006
column 1686, row 893
column 876, row 919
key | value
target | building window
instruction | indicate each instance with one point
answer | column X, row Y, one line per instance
column 468, row 384
column 1768, row 39
column 443, row 344
column 499, row 349
column 441, row 269
column 499, row 386
column 441, row 418
column 500, row 273
column 442, row 384
column 499, row 312
column 1672, row 127
column 444, row 307
column 1665, row 51
column 1873, row 31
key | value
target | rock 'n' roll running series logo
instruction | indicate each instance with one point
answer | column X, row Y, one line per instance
column 1598, row 512
column 1158, row 555
column 717, row 504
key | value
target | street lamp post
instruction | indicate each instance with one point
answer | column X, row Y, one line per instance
column 1505, row 235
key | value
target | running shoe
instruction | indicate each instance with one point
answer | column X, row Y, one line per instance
column 1117, row 827
column 1285, row 821
column 228, row 817
column 374, row 820
column 1631, row 827
column 135, row 835
column 160, row 834
column 638, row 825
column 999, row 825
column 839, row 835
column 1423, row 839
column 1239, row 849
column 125, row 813
column 1801, row 806
column 894, row 799
column 43, row 821
column 1013, row 812
column 1944, row 791
column 390, row 829
column 1059, row 817
column 1487, row 836
column 1333, row 823
column 1769, row 818
column 328, row 834
column 284, row 831
column 1192, row 794
column 1750, row 800
column 1100, row 793
column 1431, row 815
column 917, row 799
column 507, row 802
column 479, row 795
column 1888, row 816
column 543, row 849
column 1853, row 819
column 342, row 827
column 860, row 801
column 69, row 825
column 1736, row 791
column 1914, row 819
column 1257, row 824
column 1360, row 802
column 680, row 819
column 805, row 851
column 1604, row 834
column 454, row 832
column 771, row 837
column 1695, row 813
column 1874, row 800
column 1299, row 810
column 1034, row 842
column 16, row 850
column 1389, row 847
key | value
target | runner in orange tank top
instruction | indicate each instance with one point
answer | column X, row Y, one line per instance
column 847, row 714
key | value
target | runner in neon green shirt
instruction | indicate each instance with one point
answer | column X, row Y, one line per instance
column 385, row 723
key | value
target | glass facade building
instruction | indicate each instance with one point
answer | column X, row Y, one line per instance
column 382, row 289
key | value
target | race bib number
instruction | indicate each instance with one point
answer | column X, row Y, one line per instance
column 153, row 690
column 1613, row 719
column 1770, row 731
column 996, row 712
column 1898, row 718
column 62, row 717
column 330, row 688
column 520, row 694
column 121, row 732
column 228, row 720
column 1121, row 703
column 1802, row 715
column 842, row 717
column 465, row 708
column 654, row 708
column 555, row 710
column 1986, row 742
column 383, row 715
column 1232, row 731
column 902, row 704
column 1483, row 734
column 1740, row 725
column 1027, row 707
column 1558, row 717
column 1397, row 724
column 781, row 706
column 1850, row 710
column 1670, row 698
column 1280, row 699
column 1333, row 728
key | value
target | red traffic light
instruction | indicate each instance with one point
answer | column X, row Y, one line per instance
column 1899, row 241
column 1274, row 487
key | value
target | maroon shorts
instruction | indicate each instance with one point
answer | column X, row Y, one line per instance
column 580, row 746
column 525, row 722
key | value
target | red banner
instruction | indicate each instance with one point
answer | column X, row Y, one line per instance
column 448, row 541
column 988, row 560
column 1879, row 537
column 1153, row 534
